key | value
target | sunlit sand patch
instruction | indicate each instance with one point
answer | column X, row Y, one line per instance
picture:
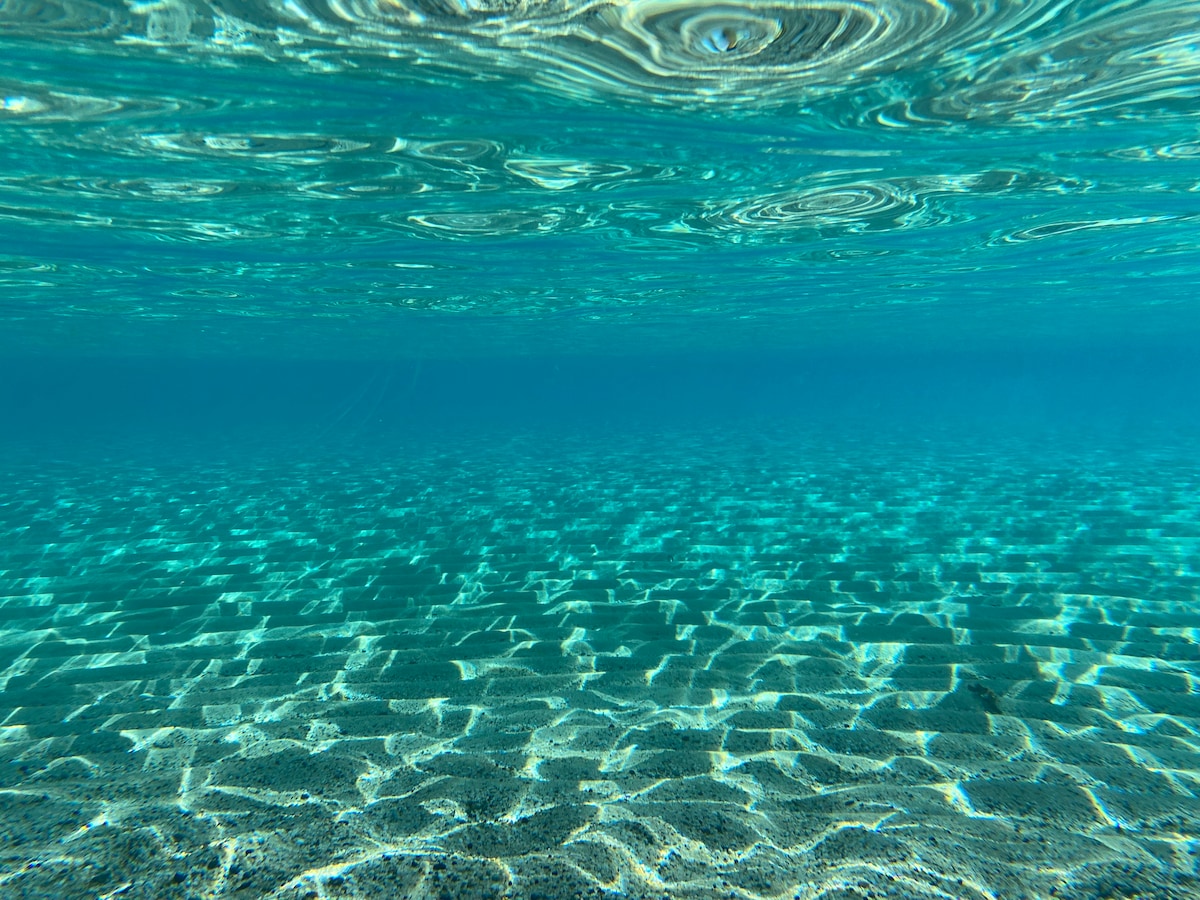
column 493, row 712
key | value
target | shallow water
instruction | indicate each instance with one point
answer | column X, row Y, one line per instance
column 597, row 449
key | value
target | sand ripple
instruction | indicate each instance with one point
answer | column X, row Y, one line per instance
column 836, row 670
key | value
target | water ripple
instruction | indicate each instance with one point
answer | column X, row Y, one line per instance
column 898, row 62
column 465, row 225
column 617, row 154
column 48, row 19
column 749, row 52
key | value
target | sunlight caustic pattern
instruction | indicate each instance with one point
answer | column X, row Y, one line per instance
column 799, row 674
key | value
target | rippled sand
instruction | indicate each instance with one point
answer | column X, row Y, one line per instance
column 712, row 667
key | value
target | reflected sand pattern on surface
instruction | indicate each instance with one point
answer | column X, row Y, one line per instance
column 618, row 144
column 912, row 63
column 726, row 668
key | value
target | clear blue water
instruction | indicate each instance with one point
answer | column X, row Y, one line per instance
column 479, row 449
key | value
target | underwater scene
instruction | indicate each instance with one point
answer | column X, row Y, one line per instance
column 608, row 449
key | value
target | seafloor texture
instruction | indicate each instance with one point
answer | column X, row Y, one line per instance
column 688, row 669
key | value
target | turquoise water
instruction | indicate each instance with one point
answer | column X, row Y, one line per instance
column 468, row 449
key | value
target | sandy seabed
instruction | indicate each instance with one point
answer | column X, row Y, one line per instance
column 724, row 669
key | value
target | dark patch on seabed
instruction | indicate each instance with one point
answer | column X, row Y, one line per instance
column 707, row 667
